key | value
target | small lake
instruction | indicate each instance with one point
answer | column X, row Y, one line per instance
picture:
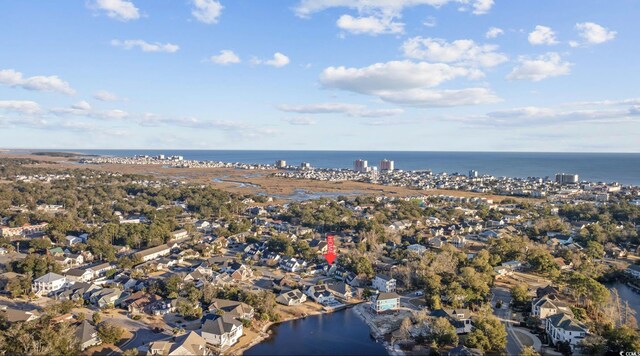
column 339, row 333
column 627, row 295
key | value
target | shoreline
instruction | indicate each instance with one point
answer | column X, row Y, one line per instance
column 263, row 334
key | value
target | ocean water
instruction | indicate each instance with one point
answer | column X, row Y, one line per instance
column 597, row 167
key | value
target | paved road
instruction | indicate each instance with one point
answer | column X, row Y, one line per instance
column 514, row 347
column 405, row 300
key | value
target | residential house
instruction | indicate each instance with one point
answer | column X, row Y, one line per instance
column 71, row 240
column 232, row 308
column 291, row 264
column 154, row 252
column 78, row 275
column 105, row 297
column 384, row 283
column 12, row 315
column 382, row 302
column 319, row 294
column 222, row 332
column 562, row 327
column 459, row 318
column 87, row 335
column 292, row 297
column 49, row 283
column 341, row 290
column 190, row 344
column 548, row 305
column 419, row 249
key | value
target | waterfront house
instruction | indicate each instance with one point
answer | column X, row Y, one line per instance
column 190, row 344
column 384, row 283
column 49, row 283
column 292, row 297
column 319, row 294
column 341, row 290
column 222, row 331
column 232, row 308
column 382, row 302
column 563, row 328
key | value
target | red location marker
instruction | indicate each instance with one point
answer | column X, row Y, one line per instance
column 330, row 256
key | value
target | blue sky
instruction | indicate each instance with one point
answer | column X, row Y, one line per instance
column 446, row 75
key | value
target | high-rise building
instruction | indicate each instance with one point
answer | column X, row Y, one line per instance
column 386, row 165
column 473, row 174
column 361, row 165
column 565, row 178
column 281, row 164
column 305, row 165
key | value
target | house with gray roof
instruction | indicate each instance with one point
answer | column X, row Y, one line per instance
column 563, row 327
column 222, row 331
column 87, row 335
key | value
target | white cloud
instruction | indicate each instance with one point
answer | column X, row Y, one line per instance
column 481, row 7
column 408, row 83
column 122, row 10
column 225, row 57
column 353, row 110
column 542, row 35
column 440, row 98
column 104, row 95
column 494, row 32
column 465, row 52
column 370, row 25
column 207, row 11
column 305, row 8
column 81, row 105
column 593, row 33
column 394, row 75
column 279, row 60
column 539, row 68
column 532, row 115
column 146, row 46
column 430, row 22
column 301, row 121
column 84, row 109
column 380, row 16
column 20, row 106
column 52, row 83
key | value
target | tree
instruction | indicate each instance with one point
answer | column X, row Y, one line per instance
column 96, row 317
column 130, row 352
column 489, row 334
column 593, row 345
column 520, row 295
column 443, row 333
column 40, row 337
column 529, row 351
column 620, row 339
column 109, row 334
column 405, row 326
